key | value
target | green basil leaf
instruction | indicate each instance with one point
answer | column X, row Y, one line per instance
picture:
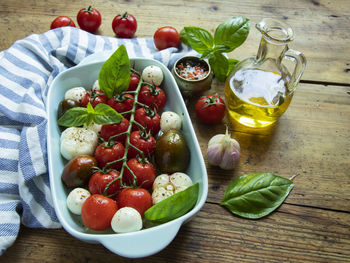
column 232, row 33
column 104, row 114
column 219, row 64
column 73, row 117
column 198, row 38
column 174, row 206
column 114, row 76
column 256, row 195
column 231, row 64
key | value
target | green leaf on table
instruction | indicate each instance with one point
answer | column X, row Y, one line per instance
column 174, row 206
column 256, row 195
column 198, row 38
column 114, row 76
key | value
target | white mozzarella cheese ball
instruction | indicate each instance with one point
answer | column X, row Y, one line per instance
column 94, row 127
column 78, row 141
column 76, row 198
column 170, row 120
column 161, row 193
column 180, row 181
column 126, row 219
column 96, row 85
column 76, row 94
column 153, row 74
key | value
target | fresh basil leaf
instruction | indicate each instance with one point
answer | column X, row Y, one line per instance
column 114, row 76
column 183, row 37
column 73, row 117
column 256, row 195
column 198, row 38
column 219, row 64
column 104, row 114
column 174, row 206
column 232, row 33
column 231, row 64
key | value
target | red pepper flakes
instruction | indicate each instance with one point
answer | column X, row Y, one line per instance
column 190, row 71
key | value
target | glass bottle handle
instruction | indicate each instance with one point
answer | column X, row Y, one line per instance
column 300, row 63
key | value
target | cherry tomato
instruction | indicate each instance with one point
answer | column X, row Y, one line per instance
column 97, row 212
column 149, row 119
column 122, row 103
column 94, row 97
column 109, row 152
column 143, row 170
column 100, row 180
column 89, row 19
column 61, row 21
column 165, row 37
column 134, row 81
column 153, row 97
column 138, row 198
column 144, row 142
column 124, row 25
column 210, row 109
column 109, row 130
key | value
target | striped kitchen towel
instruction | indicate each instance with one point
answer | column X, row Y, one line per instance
column 27, row 69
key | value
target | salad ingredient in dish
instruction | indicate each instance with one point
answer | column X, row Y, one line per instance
column 75, row 94
column 170, row 121
column 152, row 96
column 89, row 19
column 125, row 25
column 148, row 119
column 122, row 103
column 166, row 37
column 141, row 173
column 108, row 152
column 61, row 21
column 153, row 74
column 95, row 97
column 126, row 219
column 142, row 144
column 76, row 198
column 134, row 81
column 137, row 198
column 223, row 151
column 105, row 183
column 65, row 105
column 117, row 131
column 210, row 109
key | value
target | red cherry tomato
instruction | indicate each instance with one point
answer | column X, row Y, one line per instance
column 94, row 97
column 109, row 152
column 134, row 81
column 165, row 37
column 139, row 199
column 122, row 103
column 89, row 19
column 99, row 181
column 210, row 109
column 61, row 21
column 109, row 130
column 124, row 25
column 153, row 97
column 97, row 212
column 143, row 170
column 148, row 119
column 144, row 142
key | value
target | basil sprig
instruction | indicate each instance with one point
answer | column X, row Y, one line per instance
column 256, row 195
column 174, row 206
column 228, row 36
column 101, row 114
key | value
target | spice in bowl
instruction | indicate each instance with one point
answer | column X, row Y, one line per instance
column 190, row 71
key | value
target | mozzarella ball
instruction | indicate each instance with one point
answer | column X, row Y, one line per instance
column 75, row 94
column 96, row 85
column 76, row 198
column 94, row 127
column 161, row 180
column 161, row 193
column 78, row 141
column 170, row 121
column 126, row 219
column 153, row 75
column 180, row 180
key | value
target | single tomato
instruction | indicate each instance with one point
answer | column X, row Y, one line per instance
column 61, row 21
column 94, row 97
column 109, row 152
column 89, row 19
column 149, row 119
column 138, row 198
column 109, row 130
column 143, row 141
column 107, row 184
column 144, row 172
column 153, row 97
column 122, row 103
column 97, row 212
column 210, row 109
column 124, row 25
column 134, row 81
column 166, row 37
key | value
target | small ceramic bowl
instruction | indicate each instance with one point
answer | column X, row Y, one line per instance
column 189, row 83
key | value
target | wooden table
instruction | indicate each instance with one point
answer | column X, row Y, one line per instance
column 310, row 140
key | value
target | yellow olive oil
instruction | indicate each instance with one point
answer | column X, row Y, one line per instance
column 255, row 97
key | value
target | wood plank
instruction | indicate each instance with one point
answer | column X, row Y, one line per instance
column 293, row 233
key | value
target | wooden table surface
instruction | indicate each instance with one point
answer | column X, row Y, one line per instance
column 310, row 140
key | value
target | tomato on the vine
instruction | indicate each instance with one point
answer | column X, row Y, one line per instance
column 144, row 142
column 94, row 97
column 210, row 109
column 61, row 21
column 89, row 19
column 122, row 103
column 108, row 152
column 109, row 130
column 134, row 81
column 137, row 198
column 101, row 183
column 143, row 170
column 97, row 212
column 165, row 37
column 149, row 119
column 153, row 97
column 124, row 25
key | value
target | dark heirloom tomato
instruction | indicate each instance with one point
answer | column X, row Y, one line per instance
column 65, row 105
column 109, row 152
column 78, row 171
column 149, row 119
column 153, row 97
column 143, row 170
column 165, row 37
column 122, row 103
column 61, row 21
column 109, row 130
column 138, row 198
column 99, row 181
column 94, row 97
column 89, row 19
column 144, row 142
column 210, row 109
column 124, row 25
column 134, row 81
column 97, row 212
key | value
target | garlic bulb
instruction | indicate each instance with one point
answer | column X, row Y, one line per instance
column 223, row 151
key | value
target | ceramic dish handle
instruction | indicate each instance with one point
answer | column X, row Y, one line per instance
column 142, row 246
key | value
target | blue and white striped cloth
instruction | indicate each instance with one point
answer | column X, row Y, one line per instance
column 27, row 69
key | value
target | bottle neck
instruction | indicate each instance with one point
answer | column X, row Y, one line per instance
column 269, row 50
